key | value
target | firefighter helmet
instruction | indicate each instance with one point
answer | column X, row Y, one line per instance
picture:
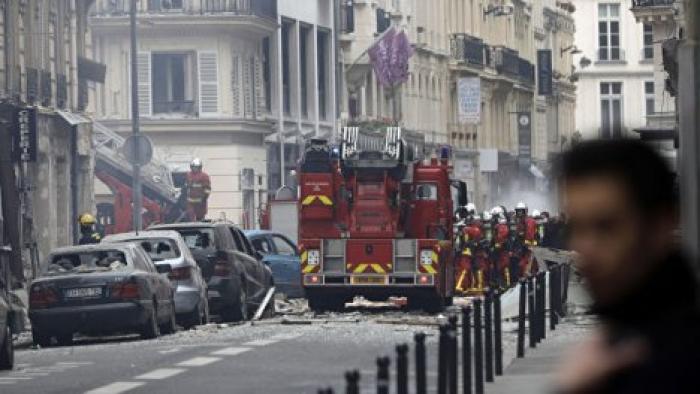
column 497, row 211
column 486, row 216
column 471, row 208
column 536, row 213
column 87, row 219
column 196, row 163
column 521, row 209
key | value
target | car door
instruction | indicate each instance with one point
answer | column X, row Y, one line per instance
column 256, row 278
column 287, row 264
column 161, row 289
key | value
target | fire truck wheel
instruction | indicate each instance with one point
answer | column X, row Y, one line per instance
column 325, row 303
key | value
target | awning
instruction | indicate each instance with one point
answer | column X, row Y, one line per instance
column 73, row 119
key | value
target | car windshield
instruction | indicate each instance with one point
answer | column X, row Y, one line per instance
column 159, row 249
column 87, row 262
column 198, row 238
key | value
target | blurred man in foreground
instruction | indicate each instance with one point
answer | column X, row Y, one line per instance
column 622, row 211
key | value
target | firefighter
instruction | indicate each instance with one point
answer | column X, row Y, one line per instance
column 526, row 238
column 468, row 275
column 198, row 191
column 501, row 243
column 540, row 221
column 88, row 234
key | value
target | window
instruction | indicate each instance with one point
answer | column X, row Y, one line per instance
column 649, row 97
column 609, row 32
column 286, row 97
column 261, row 245
column 426, row 192
column 348, row 19
column 237, row 239
column 648, row 51
column 303, row 69
column 611, row 109
column 284, row 247
column 173, row 82
column 164, row 5
column 266, row 73
column 322, row 52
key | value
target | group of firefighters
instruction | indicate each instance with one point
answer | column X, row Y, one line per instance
column 494, row 248
column 197, row 190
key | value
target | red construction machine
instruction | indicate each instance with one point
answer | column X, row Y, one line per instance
column 376, row 220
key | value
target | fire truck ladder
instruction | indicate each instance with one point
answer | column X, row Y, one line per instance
column 156, row 177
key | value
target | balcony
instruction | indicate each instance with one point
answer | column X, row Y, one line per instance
column 261, row 8
column 647, row 11
column 467, row 49
column 174, row 107
column 507, row 62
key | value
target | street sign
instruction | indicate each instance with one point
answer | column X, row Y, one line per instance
column 143, row 155
column 524, row 139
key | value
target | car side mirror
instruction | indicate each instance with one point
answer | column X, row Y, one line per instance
column 164, row 268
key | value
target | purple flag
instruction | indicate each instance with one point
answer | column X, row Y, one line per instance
column 389, row 58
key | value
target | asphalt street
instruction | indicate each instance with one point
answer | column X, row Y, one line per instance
column 267, row 357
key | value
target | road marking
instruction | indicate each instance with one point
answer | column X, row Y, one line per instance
column 260, row 342
column 231, row 351
column 16, row 378
column 116, row 388
column 167, row 351
column 198, row 361
column 162, row 373
column 74, row 363
column 286, row 337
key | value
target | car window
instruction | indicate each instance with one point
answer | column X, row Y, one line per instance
column 237, row 239
column 198, row 238
column 144, row 261
column 284, row 247
column 87, row 262
column 159, row 249
column 261, row 245
column 246, row 243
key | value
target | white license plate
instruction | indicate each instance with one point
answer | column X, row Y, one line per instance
column 83, row 292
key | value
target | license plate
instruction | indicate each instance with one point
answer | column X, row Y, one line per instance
column 368, row 280
column 83, row 292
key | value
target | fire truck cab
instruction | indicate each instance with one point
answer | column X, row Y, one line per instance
column 376, row 220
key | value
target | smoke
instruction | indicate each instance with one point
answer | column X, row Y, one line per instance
column 541, row 201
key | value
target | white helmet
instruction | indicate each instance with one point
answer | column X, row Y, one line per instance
column 536, row 213
column 521, row 206
column 486, row 216
column 196, row 162
column 497, row 211
column 471, row 208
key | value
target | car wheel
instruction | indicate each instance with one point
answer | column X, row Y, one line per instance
column 193, row 318
column 171, row 326
column 239, row 310
column 65, row 339
column 7, row 352
column 39, row 338
column 150, row 328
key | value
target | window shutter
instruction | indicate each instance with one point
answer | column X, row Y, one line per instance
column 259, row 89
column 208, row 84
column 236, row 85
column 247, row 89
column 143, row 60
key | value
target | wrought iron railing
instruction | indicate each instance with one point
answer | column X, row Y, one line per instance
column 507, row 61
column 652, row 3
column 466, row 48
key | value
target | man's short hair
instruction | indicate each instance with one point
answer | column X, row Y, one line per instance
column 647, row 176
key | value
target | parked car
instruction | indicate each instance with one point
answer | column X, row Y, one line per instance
column 168, row 248
column 280, row 254
column 237, row 281
column 7, row 351
column 100, row 289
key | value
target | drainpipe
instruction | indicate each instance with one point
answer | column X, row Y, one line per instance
column 74, row 188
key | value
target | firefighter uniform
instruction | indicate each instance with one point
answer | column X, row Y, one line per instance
column 88, row 235
column 468, row 272
column 198, row 191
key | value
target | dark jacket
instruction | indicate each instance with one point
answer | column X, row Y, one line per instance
column 664, row 312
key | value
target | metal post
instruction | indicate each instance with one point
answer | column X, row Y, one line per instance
column 453, row 358
column 541, row 306
column 135, row 126
column 478, row 349
column 554, row 297
column 402, row 369
column 383, row 375
column 466, row 350
column 521, row 319
column 488, row 335
column 497, row 334
column 442, row 360
column 421, row 386
column 352, row 379
column 531, row 319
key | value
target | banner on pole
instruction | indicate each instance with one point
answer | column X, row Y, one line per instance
column 469, row 96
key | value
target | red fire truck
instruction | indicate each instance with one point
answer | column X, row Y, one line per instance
column 376, row 220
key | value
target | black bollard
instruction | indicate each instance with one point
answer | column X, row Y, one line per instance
column 488, row 336
column 421, row 385
column 402, row 369
column 497, row 334
column 467, row 350
column 383, row 375
column 557, row 294
column 531, row 319
column 520, row 352
column 352, row 380
column 453, row 348
column 553, row 308
column 478, row 349
column 325, row 391
column 443, row 362
column 542, row 302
